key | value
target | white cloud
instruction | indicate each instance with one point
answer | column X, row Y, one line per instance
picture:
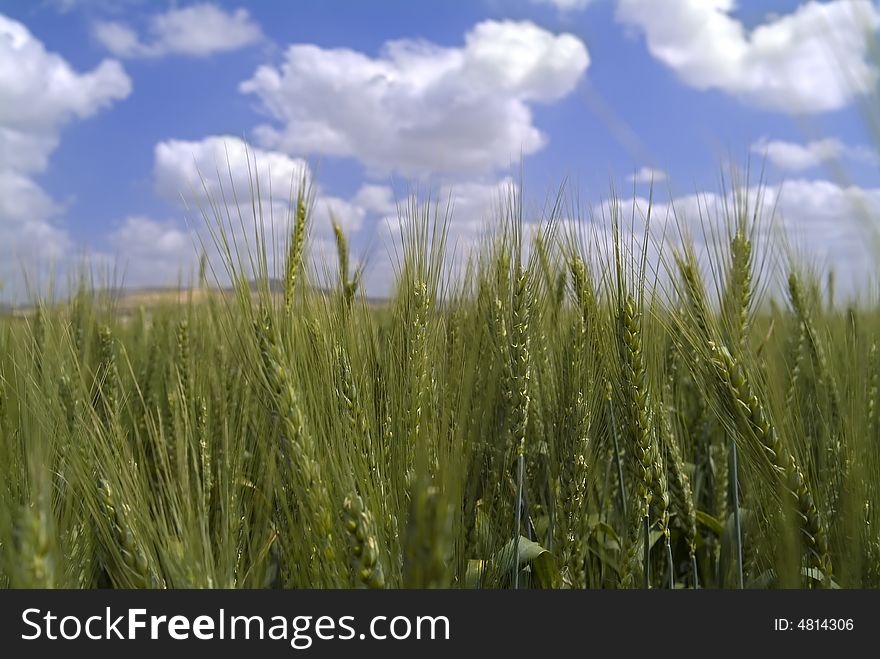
column 477, row 206
column 376, row 198
column 829, row 224
column 794, row 157
column 118, row 38
column 196, row 31
column 564, row 5
column 219, row 172
column 328, row 209
column 153, row 253
column 648, row 175
column 114, row 6
column 419, row 107
column 475, row 211
column 40, row 93
column 224, row 164
column 814, row 221
column 149, row 235
column 814, row 59
column 832, row 225
column 40, row 89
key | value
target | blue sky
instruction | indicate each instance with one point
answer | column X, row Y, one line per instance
column 110, row 105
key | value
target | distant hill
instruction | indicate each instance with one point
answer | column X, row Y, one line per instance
column 128, row 300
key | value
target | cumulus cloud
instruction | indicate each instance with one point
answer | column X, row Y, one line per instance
column 153, row 252
column 419, row 107
column 41, row 94
column 471, row 211
column 376, row 199
column 67, row 6
column 815, row 59
column 564, row 5
column 223, row 167
column 816, row 222
column 196, row 31
column 832, row 225
column 827, row 223
column 220, row 165
column 217, row 176
column 648, row 175
column 794, row 157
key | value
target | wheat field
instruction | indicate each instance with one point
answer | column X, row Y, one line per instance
column 561, row 411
